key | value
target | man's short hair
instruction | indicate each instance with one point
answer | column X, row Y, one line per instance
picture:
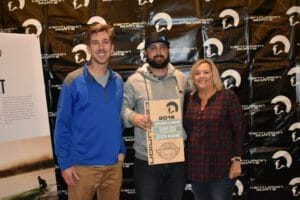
column 96, row 28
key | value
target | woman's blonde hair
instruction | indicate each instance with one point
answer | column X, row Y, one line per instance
column 217, row 82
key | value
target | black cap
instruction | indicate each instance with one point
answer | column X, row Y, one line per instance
column 156, row 37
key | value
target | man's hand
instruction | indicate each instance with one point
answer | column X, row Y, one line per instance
column 142, row 121
column 70, row 176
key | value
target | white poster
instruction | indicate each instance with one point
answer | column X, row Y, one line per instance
column 26, row 164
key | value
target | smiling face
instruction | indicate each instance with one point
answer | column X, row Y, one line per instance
column 203, row 77
column 100, row 47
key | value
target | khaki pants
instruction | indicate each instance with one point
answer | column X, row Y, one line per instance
column 105, row 181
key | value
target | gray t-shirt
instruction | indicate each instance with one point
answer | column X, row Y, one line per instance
column 102, row 80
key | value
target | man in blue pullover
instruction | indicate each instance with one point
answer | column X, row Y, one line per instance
column 88, row 134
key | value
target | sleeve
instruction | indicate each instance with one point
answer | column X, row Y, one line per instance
column 122, row 147
column 236, row 118
column 62, row 132
column 128, row 104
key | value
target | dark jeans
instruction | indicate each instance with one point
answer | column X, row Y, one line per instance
column 156, row 182
column 215, row 190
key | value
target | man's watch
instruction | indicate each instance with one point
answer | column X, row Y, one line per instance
column 236, row 159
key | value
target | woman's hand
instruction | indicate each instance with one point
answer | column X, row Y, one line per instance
column 235, row 169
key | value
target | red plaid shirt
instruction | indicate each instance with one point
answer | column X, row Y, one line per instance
column 215, row 135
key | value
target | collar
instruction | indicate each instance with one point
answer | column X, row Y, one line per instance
column 196, row 97
column 89, row 76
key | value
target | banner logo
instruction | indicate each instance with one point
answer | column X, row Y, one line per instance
column 295, row 183
column 81, row 53
column 277, row 42
column 143, row 2
column 282, row 160
column 282, row 104
column 162, row 22
column 231, row 78
column 188, row 187
column 208, row 47
column 77, row 5
column 267, row 188
column 260, row 134
column 172, row 107
column 293, row 11
column 141, row 48
column 294, row 72
column 96, row 19
column 239, row 188
column 32, row 26
column 12, row 5
column 232, row 15
column 295, row 129
column 260, row 79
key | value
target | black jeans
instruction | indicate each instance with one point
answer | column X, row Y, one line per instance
column 159, row 182
column 215, row 190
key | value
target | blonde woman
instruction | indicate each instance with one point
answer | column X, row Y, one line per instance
column 213, row 120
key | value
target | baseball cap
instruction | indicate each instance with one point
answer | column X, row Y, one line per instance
column 156, row 37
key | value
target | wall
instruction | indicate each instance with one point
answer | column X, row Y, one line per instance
column 255, row 44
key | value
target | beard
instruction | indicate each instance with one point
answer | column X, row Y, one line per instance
column 158, row 65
